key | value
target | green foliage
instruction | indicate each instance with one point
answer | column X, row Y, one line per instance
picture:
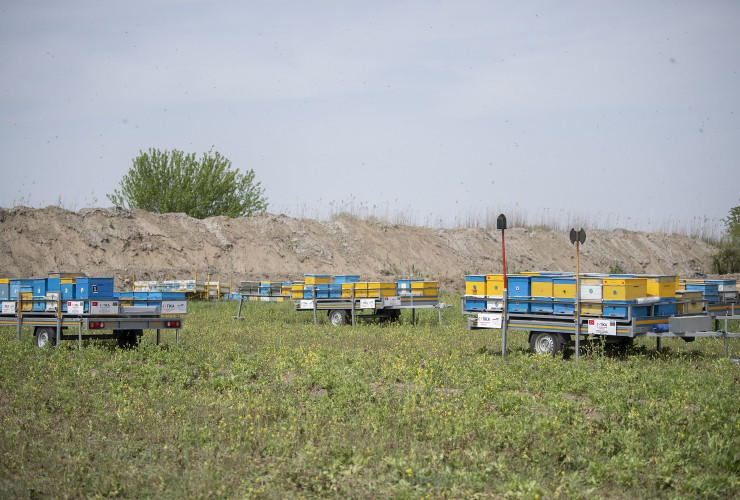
column 616, row 268
column 173, row 181
column 727, row 258
column 274, row 406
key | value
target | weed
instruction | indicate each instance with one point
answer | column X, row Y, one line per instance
column 275, row 406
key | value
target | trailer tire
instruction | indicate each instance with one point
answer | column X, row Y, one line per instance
column 545, row 342
column 44, row 336
column 129, row 339
column 338, row 317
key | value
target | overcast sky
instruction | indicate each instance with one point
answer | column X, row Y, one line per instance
column 620, row 112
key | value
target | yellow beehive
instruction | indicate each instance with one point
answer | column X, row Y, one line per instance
column 564, row 288
column 428, row 288
column 661, row 286
column 541, row 287
column 67, row 281
column 381, row 289
column 347, row 289
column 530, row 273
column 624, row 288
column 591, row 308
column 477, row 288
column 286, row 290
column 494, row 285
column 4, row 281
column 689, row 302
column 26, row 301
column 317, row 279
column 296, row 291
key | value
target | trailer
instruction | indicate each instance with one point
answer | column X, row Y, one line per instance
column 348, row 305
column 549, row 334
column 90, row 318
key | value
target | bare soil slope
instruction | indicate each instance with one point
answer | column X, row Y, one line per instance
column 105, row 242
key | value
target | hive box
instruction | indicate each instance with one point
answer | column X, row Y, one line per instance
column 495, row 285
column 424, row 288
column 542, row 305
column 624, row 289
column 317, row 279
column 519, row 286
column 347, row 278
column 541, row 287
column 93, row 288
column 475, row 285
column 564, row 288
column 661, row 286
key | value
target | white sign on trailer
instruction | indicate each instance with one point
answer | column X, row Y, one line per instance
column 8, row 308
column 305, row 304
column 391, row 301
column 107, row 307
column 174, row 307
column 367, row 303
column 489, row 320
column 75, row 307
column 602, row 326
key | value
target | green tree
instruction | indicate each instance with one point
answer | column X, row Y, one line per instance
column 727, row 259
column 173, row 181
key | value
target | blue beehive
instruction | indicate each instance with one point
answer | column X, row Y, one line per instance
column 347, row 278
column 617, row 309
column 52, row 285
column 517, row 306
column 16, row 287
column 474, row 304
column 710, row 291
column 564, row 306
column 4, row 291
column 335, row 290
column 68, row 291
column 94, row 288
column 519, row 286
column 39, row 288
column 666, row 307
column 321, row 291
column 542, row 306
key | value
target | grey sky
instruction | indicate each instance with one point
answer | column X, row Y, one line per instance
column 617, row 112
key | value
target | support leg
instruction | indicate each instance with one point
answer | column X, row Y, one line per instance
column 159, row 337
column 59, row 331
column 657, row 343
column 727, row 350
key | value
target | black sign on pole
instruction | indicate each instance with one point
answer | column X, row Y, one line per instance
column 501, row 222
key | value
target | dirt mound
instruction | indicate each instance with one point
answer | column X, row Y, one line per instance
column 123, row 243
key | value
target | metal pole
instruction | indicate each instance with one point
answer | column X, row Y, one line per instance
column 727, row 352
column 503, row 254
column 353, row 304
column 505, row 322
column 578, row 301
column 413, row 311
column 657, row 344
column 439, row 309
column 79, row 335
column 239, row 311
column 158, row 336
column 313, row 294
column 19, row 315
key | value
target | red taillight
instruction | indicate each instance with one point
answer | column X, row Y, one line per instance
column 172, row 324
column 95, row 325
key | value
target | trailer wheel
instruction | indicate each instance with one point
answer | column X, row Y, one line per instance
column 128, row 339
column 545, row 342
column 44, row 336
column 338, row 317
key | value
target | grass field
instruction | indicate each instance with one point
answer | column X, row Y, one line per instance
column 275, row 406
